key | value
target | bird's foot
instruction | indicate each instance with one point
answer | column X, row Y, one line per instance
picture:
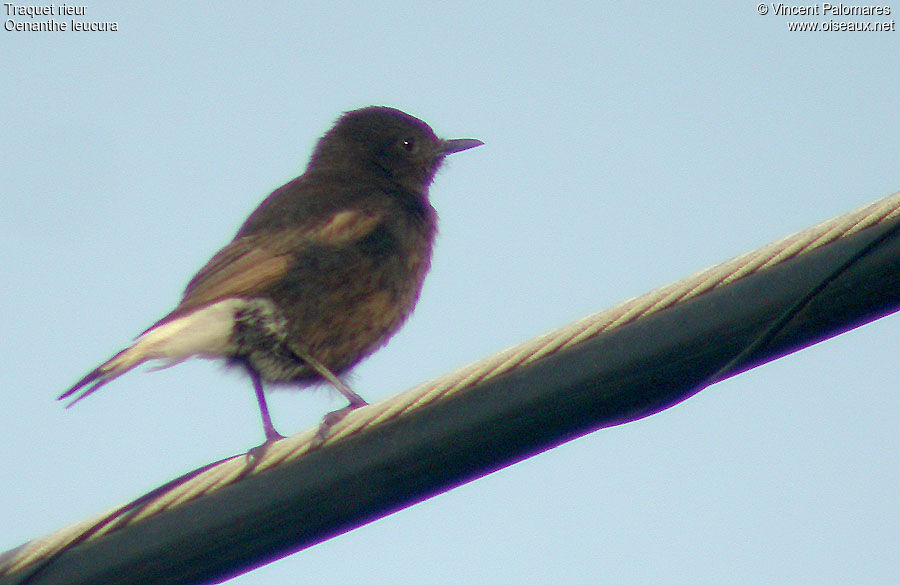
column 272, row 436
column 333, row 418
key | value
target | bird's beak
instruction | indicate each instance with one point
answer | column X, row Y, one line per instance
column 458, row 144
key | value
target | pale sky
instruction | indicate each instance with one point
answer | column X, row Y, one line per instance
column 625, row 148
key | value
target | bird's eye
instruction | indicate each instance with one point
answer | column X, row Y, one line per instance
column 408, row 144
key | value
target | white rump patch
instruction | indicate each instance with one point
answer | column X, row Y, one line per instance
column 204, row 333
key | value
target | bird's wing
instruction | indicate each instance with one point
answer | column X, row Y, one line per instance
column 252, row 263
column 240, row 268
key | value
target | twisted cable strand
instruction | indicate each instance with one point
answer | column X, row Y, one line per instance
column 238, row 467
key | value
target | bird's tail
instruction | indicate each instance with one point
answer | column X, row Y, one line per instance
column 205, row 332
column 108, row 371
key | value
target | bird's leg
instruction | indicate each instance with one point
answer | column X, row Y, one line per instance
column 352, row 397
column 268, row 427
column 355, row 399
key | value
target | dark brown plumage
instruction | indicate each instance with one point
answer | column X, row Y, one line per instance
column 325, row 270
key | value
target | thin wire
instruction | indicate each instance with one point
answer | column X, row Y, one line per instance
column 787, row 316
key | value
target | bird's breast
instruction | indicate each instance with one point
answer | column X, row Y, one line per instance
column 342, row 303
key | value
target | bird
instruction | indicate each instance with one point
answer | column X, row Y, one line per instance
column 320, row 275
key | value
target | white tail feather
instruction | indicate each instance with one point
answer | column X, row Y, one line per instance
column 205, row 332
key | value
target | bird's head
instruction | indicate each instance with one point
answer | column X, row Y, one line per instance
column 389, row 143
